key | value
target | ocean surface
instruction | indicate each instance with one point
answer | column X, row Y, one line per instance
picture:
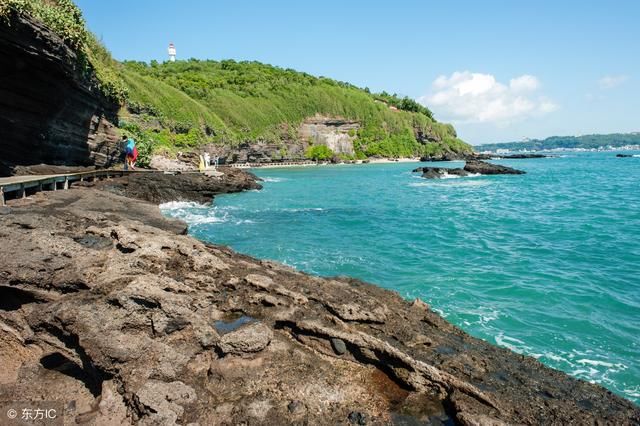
column 546, row 263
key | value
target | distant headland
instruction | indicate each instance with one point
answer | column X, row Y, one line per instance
column 584, row 142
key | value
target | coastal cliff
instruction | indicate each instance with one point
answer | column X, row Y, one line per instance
column 109, row 308
column 51, row 110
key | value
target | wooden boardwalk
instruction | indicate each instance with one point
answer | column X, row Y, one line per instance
column 21, row 184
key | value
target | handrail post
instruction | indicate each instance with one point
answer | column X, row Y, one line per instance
column 66, row 182
column 2, row 203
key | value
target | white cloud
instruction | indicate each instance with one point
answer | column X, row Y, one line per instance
column 480, row 98
column 524, row 83
column 611, row 81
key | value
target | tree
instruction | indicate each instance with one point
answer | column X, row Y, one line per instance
column 319, row 153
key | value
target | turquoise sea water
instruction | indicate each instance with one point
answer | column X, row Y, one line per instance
column 547, row 263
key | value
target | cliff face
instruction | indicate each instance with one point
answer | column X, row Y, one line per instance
column 49, row 111
column 335, row 133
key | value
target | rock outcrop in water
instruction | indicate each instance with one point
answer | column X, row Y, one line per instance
column 107, row 307
column 440, row 172
column 484, row 168
column 471, row 167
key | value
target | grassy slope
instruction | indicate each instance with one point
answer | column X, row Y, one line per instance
column 248, row 101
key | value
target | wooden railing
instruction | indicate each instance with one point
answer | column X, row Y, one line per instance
column 21, row 184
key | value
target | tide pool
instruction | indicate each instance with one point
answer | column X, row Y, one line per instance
column 546, row 263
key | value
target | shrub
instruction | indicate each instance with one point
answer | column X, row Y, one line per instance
column 319, row 153
column 145, row 143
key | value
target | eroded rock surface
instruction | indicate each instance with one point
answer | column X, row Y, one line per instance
column 104, row 306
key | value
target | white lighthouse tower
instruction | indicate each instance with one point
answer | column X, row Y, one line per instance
column 172, row 52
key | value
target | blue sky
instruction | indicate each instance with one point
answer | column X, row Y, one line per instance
column 498, row 70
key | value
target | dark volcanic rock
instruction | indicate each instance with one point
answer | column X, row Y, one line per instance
column 506, row 157
column 477, row 156
column 357, row 418
column 439, row 172
column 485, row 168
column 338, row 346
column 50, row 111
column 520, row 156
column 104, row 304
column 160, row 188
column 449, row 156
column 46, row 169
column 471, row 167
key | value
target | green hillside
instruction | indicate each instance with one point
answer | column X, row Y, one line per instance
column 231, row 102
column 614, row 140
column 182, row 105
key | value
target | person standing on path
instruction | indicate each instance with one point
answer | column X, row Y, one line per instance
column 131, row 153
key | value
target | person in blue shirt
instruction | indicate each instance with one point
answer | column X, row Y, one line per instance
column 130, row 152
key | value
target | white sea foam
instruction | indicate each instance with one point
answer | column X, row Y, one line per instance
column 194, row 213
column 273, row 179
column 178, row 205
column 609, row 365
column 636, row 155
column 243, row 221
column 448, row 176
column 304, row 209
column 633, row 392
column 516, row 345
column 461, row 183
column 504, row 339
column 196, row 219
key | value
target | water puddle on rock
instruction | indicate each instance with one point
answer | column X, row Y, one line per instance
column 409, row 409
column 232, row 323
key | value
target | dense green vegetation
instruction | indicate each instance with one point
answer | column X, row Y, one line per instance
column 232, row 102
column 319, row 153
column 405, row 104
column 181, row 105
column 614, row 140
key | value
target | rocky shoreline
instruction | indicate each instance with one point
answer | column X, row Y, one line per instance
column 108, row 307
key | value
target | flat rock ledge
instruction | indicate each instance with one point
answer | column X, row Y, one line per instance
column 472, row 167
column 106, row 307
